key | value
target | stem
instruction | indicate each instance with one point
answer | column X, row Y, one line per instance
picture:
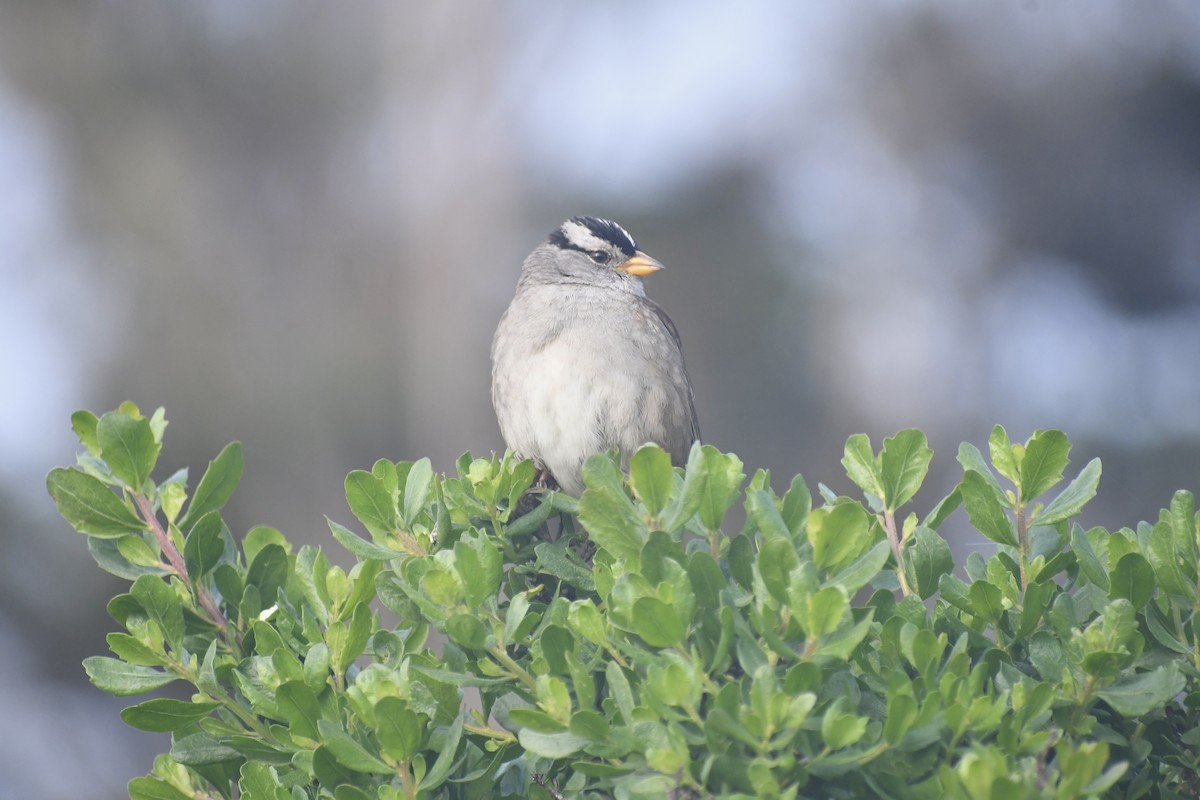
column 513, row 667
column 1023, row 542
column 889, row 525
column 175, row 558
column 406, row 781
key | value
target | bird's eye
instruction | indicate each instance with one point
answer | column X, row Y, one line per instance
column 599, row 256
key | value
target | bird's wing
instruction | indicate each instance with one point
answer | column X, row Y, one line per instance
column 666, row 322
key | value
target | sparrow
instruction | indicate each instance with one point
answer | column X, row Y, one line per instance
column 583, row 362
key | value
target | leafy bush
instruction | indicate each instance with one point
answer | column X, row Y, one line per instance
column 629, row 644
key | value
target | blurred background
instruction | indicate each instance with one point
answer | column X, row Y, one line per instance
column 296, row 224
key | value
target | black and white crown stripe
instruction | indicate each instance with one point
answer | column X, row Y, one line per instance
column 588, row 234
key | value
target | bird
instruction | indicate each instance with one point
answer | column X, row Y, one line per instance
column 583, row 362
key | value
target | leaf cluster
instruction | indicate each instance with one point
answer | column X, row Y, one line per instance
column 632, row 644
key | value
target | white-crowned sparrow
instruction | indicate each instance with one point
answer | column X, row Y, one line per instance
column 583, row 362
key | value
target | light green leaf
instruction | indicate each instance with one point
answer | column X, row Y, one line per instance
column 551, row 745
column 611, row 520
column 903, row 465
column 371, row 502
column 1043, row 464
column 1003, row 458
column 652, row 478
column 826, row 609
column 204, row 546
column 417, row 488
column 861, row 466
column 359, row 546
column 1074, row 497
column 859, row 573
column 128, row 446
column 90, row 506
column 149, row 788
column 838, row 534
column 84, row 424
column 216, row 486
column 122, row 679
column 656, row 622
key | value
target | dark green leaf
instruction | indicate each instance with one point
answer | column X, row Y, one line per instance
column 268, row 572
column 204, row 546
column 706, row 579
column 903, row 465
column 299, row 707
column 122, row 679
column 1074, row 497
column 1133, row 579
column 466, row 630
column 943, row 509
column 200, row 749
column 90, row 506
column 557, row 559
column 652, row 478
column 162, row 605
column 216, row 486
column 108, row 558
column 927, row 558
column 859, row 573
column 163, row 714
column 1137, row 695
column 984, row 509
column 1045, row 459
column 128, row 446
column 348, row 751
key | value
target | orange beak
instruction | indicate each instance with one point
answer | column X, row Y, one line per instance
column 640, row 264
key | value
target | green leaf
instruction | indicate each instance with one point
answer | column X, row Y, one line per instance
column 942, row 511
column 1003, row 458
column 163, row 714
column 150, row 788
column 1074, row 497
column 723, row 479
column 1090, row 564
column 901, row 714
column 861, row 466
column 90, row 506
column 268, row 572
column 128, row 446
column 298, row 705
column 259, row 781
column 1137, row 695
column 162, row 605
column 1133, row 579
column 859, row 573
column 797, row 504
column 761, row 508
column 204, row 546
column 400, row 729
column 447, row 753
column 826, row 609
column 201, row 749
column 359, row 546
column 838, row 534
column 611, row 520
column 557, row 559
column 1045, row 459
column 903, row 465
column 652, row 478
column 706, row 579
column 348, row 751
column 417, row 488
column 984, row 509
column 927, row 558
column 551, row 745
column 466, row 630
column 216, row 485
column 656, row 622
column 371, row 502
column 84, row 424
column 986, row 600
column 122, row 679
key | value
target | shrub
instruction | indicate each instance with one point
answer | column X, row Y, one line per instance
column 631, row 644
